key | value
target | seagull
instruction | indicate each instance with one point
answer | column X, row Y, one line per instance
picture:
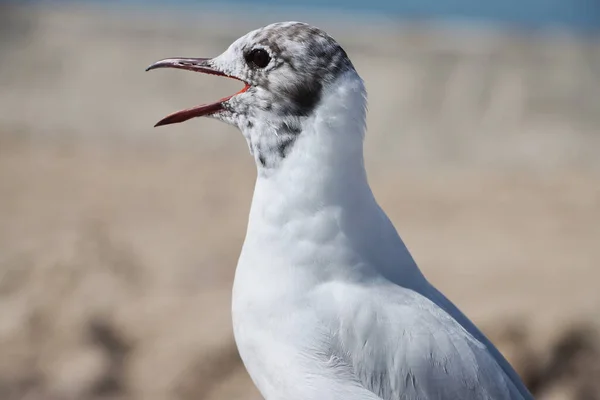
column 327, row 302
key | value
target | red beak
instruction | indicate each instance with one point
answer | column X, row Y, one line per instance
column 197, row 65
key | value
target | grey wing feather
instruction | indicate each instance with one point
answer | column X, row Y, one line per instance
column 423, row 353
column 441, row 300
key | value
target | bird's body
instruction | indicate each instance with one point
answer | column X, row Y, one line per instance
column 327, row 301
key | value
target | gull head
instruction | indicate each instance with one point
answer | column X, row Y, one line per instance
column 287, row 69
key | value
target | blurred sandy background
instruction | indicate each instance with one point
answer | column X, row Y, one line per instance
column 118, row 242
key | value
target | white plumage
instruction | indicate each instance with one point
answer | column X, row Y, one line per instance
column 327, row 301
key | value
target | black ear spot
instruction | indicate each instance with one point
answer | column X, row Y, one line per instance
column 305, row 97
column 258, row 58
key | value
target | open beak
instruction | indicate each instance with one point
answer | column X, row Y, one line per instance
column 197, row 65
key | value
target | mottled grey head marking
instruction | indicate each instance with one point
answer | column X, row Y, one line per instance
column 287, row 66
column 304, row 58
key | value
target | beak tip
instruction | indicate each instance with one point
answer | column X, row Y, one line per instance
column 165, row 121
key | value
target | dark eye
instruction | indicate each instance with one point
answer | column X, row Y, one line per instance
column 258, row 58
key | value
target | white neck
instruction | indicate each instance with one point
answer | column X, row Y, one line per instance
column 319, row 196
column 326, row 160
